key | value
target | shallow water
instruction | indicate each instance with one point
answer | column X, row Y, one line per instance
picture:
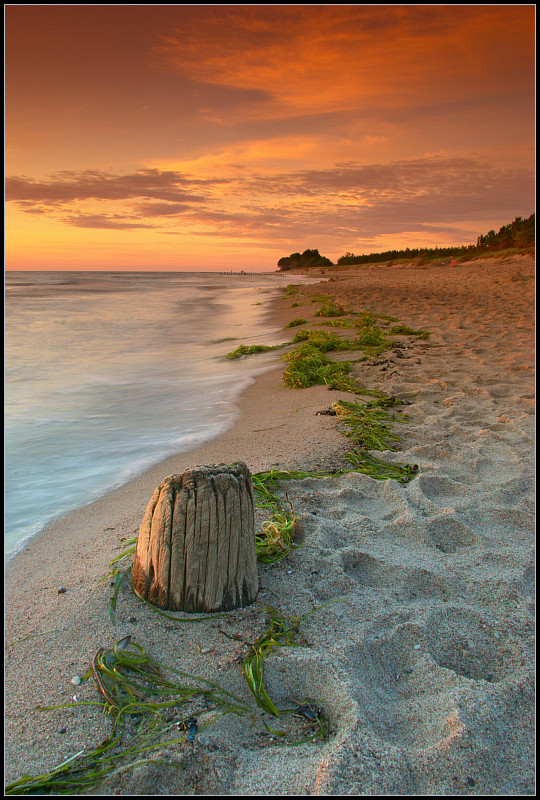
column 108, row 373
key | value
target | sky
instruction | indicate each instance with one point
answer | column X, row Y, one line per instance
column 208, row 137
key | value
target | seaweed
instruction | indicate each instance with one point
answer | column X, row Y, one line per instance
column 396, row 330
column 308, row 366
column 248, row 349
column 132, row 684
column 281, row 632
column 381, row 470
column 324, row 341
column 136, row 687
column 332, row 309
column 337, row 323
column 275, row 539
column 367, row 425
column 295, row 322
column 371, row 339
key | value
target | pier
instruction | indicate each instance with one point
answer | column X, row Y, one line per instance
column 277, row 272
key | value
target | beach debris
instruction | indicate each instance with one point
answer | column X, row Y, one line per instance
column 196, row 549
column 308, row 710
column 62, row 590
column 76, row 680
column 136, row 686
column 274, row 541
column 247, row 350
column 164, row 579
column 190, row 727
column 281, row 632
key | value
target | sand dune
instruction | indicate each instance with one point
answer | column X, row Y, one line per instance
column 422, row 658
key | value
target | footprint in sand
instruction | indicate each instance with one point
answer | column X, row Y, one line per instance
column 405, row 698
column 505, row 527
column 463, row 641
column 448, row 534
column 444, row 492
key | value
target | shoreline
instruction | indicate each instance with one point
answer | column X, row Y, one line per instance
column 408, row 561
column 22, row 528
column 250, row 411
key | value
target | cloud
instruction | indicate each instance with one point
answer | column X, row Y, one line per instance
column 345, row 206
column 115, row 222
column 161, row 209
column 68, row 195
column 351, row 205
column 66, row 187
column 434, row 176
column 304, row 59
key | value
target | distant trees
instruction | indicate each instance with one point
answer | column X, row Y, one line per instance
column 307, row 259
column 520, row 233
column 391, row 255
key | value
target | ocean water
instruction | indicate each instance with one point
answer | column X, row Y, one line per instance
column 107, row 373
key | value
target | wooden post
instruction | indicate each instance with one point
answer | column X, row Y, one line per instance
column 196, row 546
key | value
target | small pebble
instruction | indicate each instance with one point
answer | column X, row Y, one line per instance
column 133, row 619
column 62, row 730
column 62, row 589
column 76, row 680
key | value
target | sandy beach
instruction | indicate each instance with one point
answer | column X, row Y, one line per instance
column 420, row 651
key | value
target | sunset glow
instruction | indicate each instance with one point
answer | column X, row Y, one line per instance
column 208, row 137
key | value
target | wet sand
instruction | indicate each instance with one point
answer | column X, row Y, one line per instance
column 424, row 663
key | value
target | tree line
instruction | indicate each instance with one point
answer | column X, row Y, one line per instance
column 517, row 234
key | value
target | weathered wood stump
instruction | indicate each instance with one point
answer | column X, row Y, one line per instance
column 196, row 546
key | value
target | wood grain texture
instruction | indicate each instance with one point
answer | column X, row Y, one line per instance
column 196, row 546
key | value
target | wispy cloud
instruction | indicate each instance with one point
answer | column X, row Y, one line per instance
column 471, row 179
column 89, row 184
column 145, row 193
column 162, row 209
column 113, row 222
column 350, row 202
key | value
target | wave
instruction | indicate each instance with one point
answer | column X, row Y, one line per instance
column 100, row 390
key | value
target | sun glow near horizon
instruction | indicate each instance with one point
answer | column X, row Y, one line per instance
column 235, row 135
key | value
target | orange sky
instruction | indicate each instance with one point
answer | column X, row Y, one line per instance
column 210, row 137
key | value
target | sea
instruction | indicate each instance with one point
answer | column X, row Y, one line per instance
column 108, row 373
